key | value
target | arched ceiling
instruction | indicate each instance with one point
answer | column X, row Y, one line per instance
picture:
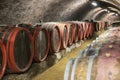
column 31, row 11
column 97, row 14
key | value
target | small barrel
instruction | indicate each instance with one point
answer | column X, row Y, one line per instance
column 103, row 25
column 76, row 31
column 64, row 34
column 3, row 59
column 89, row 29
column 84, row 30
column 19, row 47
column 80, row 29
column 71, row 28
column 54, row 34
column 41, row 43
column 97, row 26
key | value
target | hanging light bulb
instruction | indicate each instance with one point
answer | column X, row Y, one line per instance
column 94, row 3
column 116, row 14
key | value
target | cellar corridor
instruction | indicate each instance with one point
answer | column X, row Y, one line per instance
column 59, row 39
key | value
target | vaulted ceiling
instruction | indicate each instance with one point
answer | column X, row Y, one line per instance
column 32, row 11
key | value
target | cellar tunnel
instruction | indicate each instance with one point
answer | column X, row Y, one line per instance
column 50, row 35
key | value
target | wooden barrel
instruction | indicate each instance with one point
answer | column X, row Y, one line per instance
column 76, row 31
column 106, row 25
column 104, row 65
column 80, row 31
column 103, row 25
column 84, row 30
column 64, row 37
column 40, row 39
column 54, row 34
column 97, row 26
column 3, row 59
column 71, row 30
column 89, row 29
column 19, row 47
column 41, row 43
column 64, row 34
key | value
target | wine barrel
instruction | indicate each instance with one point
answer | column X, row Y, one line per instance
column 19, row 48
column 40, row 39
column 71, row 32
column 54, row 34
column 77, row 31
column 106, row 25
column 97, row 26
column 89, row 29
column 84, row 30
column 103, row 25
column 107, row 60
column 64, row 34
column 41, row 43
column 3, row 59
column 80, row 31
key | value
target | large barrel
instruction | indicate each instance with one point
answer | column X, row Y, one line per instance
column 3, row 59
column 54, row 34
column 102, row 62
column 105, row 66
column 19, row 47
column 41, row 43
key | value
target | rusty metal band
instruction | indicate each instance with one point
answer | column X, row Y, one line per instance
column 89, row 70
column 80, row 53
column 90, row 63
column 75, row 65
column 67, row 70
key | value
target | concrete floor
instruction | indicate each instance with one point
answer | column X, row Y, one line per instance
column 56, row 72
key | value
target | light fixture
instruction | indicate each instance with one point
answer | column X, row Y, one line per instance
column 94, row 3
column 116, row 14
column 108, row 11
